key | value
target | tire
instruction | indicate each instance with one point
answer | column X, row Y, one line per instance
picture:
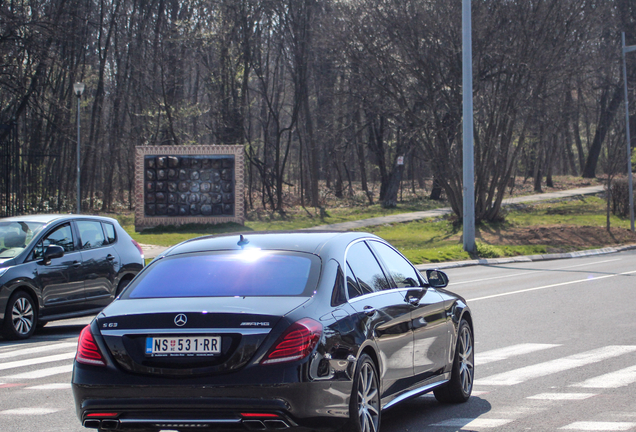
column 364, row 406
column 21, row 317
column 122, row 286
column 460, row 386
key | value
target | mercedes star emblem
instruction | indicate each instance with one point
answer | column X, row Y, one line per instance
column 180, row 320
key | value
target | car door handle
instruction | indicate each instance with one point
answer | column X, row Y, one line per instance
column 369, row 310
column 76, row 263
column 109, row 257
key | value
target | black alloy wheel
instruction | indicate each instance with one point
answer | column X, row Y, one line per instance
column 460, row 386
column 21, row 316
column 364, row 408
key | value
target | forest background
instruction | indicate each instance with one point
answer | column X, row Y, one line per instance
column 324, row 95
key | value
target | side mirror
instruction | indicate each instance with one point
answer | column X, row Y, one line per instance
column 52, row 251
column 436, row 278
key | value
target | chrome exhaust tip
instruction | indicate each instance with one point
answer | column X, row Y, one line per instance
column 109, row 424
column 276, row 424
column 254, row 425
column 91, row 423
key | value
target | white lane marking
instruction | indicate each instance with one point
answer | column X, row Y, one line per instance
column 37, row 360
column 523, row 374
column 26, row 351
column 532, row 272
column 41, row 373
column 511, row 351
column 600, row 426
column 620, row 378
column 29, row 411
column 550, row 286
column 562, row 396
column 52, row 386
column 473, row 423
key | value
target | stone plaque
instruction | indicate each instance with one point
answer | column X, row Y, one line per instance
column 175, row 185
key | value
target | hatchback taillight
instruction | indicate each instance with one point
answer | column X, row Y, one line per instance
column 87, row 350
column 138, row 246
column 296, row 343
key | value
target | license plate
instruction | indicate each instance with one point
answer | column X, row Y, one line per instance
column 183, row 346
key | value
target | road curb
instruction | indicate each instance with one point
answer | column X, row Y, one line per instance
column 526, row 258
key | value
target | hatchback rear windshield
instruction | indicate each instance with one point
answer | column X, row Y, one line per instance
column 233, row 273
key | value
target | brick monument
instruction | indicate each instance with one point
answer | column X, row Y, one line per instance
column 176, row 185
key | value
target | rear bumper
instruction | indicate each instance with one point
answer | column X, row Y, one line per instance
column 219, row 402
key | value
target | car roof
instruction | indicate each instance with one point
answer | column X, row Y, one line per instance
column 299, row 241
column 48, row 218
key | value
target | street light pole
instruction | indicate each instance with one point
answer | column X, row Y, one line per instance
column 78, row 88
column 468, row 150
column 627, row 49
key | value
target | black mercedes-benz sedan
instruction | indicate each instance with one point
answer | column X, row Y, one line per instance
column 61, row 266
column 273, row 331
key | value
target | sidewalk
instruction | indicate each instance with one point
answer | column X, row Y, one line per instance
column 151, row 251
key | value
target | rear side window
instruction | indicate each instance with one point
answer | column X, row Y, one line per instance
column 402, row 273
column 242, row 273
column 91, row 234
column 367, row 271
column 110, row 233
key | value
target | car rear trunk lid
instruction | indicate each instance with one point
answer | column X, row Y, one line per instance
column 234, row 325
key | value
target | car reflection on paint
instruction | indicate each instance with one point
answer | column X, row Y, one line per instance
column 266, row 331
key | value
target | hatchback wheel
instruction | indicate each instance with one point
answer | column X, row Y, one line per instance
column 364, row 408
column 122, row 286
column 460, row 386
column 21, row 316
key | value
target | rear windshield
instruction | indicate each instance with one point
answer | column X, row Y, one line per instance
column 233, row 273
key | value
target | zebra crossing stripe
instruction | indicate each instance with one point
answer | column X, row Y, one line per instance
column 523, row 374
column 621, row 378
column 37, row 350
column 52, row 386
column 37, row 360
column 562, row 396
column 600, row 426
column 511, row 351
column 473, row 423
column 29, row 411
column 41, row 373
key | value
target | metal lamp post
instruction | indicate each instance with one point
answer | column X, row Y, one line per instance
column 627, row 49
column 78, row 88
column 468, row 150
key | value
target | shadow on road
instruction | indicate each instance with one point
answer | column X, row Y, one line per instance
column 419, row 413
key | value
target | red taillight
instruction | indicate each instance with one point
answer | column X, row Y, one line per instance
column 102, row 415
column 87, row 350
column 138, row 246
column 298, row 341
column 259, row 415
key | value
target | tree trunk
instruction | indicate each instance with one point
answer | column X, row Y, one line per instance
column 391, row 194
column 608, row 111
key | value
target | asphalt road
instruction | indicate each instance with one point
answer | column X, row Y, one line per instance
column 555, row 344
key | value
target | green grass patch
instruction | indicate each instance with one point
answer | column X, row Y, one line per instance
column 423, row 241
column 293, row 219
column 585, row 211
